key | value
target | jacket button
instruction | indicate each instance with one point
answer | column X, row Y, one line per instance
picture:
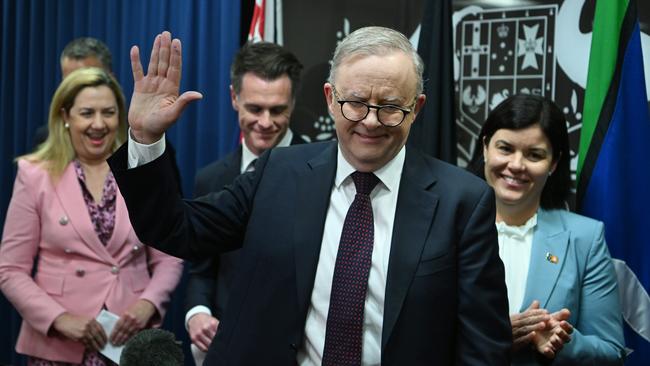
column 67, row 250
column 115, row 270
column 80, row 272
column 63, row 220
column 136, row 248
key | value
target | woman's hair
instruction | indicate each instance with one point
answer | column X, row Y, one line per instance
column 522, row 111
column 57, row 150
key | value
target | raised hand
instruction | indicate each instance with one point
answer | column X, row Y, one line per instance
column 134, row 319
column 156, row 104
column 81, row 329
column 202, row 328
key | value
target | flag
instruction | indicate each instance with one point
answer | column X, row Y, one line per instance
column 266, row 24
column 256, row 32
column 434, row 130
column 614, row 161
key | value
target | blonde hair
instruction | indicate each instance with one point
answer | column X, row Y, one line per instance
column 57, row 150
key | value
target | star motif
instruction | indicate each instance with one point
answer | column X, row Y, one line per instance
column 529, row 47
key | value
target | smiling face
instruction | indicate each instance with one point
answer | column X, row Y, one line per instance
column 379, row 80
column 264, row 108
column 517, row 165
column 92, row 122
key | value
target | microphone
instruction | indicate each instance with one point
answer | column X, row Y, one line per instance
column 152, row 347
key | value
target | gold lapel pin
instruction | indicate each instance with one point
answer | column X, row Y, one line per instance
column 63, row 220
column 552, row 258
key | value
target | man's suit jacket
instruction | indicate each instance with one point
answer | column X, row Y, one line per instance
column 210, row 280
column 445, row 301
column 582, row 280
column 75, row 271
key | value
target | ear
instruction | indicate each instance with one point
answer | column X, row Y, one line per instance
column 554, row 165
column 329, row 97
column 233, row 99
column 484, row 143
column 64, row 115
column 419, row 103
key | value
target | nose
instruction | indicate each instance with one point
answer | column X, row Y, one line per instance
column 98, row 121
column 517, row 162
column 265, row 120
column 371, row 121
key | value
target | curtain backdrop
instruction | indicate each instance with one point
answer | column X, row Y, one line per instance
column 32, row 35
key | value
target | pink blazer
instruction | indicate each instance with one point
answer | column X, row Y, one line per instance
column 76, row 272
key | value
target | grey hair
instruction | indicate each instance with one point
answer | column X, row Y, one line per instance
column 85, row 47
column 376, row 41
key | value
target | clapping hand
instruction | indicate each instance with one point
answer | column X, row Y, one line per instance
column 156, row 103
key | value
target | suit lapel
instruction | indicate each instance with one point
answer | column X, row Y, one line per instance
column 416, row 206
column 548, row 254
column 122, row 226
column 314, row 186
column 71, row 199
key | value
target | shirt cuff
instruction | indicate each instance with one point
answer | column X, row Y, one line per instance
column 141, row 154
column 193, row 311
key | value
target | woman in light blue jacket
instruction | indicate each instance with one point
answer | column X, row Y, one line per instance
column 562, row 290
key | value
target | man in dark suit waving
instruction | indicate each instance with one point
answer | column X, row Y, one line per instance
column 264, row 80
column 354, row 252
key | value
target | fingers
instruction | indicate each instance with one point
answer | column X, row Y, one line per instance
column 163, row 59
column 155, row 54
column 94, row 337
column 519, row 342
column 136, row 66
column 175, row 62
column 125, row 327
column 533, row 305
column 183, row 101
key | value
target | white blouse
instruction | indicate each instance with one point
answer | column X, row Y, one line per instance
column 515, row 244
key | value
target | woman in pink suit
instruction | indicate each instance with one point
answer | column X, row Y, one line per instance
column 68, row 250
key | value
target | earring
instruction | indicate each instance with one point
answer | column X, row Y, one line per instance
column 550, row 173
column 66, row 125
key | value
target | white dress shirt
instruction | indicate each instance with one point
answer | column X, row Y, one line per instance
column 384, row 205
column 515, row 246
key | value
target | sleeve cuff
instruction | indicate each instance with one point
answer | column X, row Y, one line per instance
column 140, row 154
column 193, row 311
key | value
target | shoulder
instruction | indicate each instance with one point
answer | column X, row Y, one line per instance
column 32, row 170
column 218, row 166
column 574, row 222
column 448, row 177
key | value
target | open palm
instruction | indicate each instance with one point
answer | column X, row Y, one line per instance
column 156, row 104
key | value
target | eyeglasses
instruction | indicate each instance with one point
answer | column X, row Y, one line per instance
column 387, row 115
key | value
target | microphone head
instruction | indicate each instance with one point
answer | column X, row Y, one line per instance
column 152, row 347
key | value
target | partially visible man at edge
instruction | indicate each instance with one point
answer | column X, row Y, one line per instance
column 264, row 80
column 416, row 277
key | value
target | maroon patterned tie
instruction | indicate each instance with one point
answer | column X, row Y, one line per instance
column 343, row 335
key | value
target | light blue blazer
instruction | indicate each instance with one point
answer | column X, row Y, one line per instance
column 570, row 267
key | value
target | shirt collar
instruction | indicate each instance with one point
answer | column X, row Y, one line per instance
column 389, row 174
column 247, row 156
column 518, row 231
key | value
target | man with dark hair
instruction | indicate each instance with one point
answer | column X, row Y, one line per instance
column 264, row 79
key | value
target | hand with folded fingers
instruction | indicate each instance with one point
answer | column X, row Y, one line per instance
column 526, row 324
column 134, row 319
column 557, row 333
column 81, row 329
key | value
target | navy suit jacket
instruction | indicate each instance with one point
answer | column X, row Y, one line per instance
column 445, row 300
column 210, row 279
